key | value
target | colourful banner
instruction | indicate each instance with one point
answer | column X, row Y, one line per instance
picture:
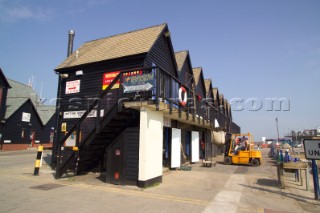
column 108, row 78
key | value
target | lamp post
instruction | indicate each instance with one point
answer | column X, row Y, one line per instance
column 277, row 128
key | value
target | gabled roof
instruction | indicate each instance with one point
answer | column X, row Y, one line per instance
column 4, row 79
column 20, row 94
column 208, row 86
column 198, row 75
column 117, row 46
column 215, row 92
column 181, row 57
column 46, row 112
column 21, row 91
column 17, row 107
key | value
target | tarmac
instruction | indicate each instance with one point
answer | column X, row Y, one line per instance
column 221, row 188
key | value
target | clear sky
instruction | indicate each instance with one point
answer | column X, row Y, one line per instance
column 253, row 50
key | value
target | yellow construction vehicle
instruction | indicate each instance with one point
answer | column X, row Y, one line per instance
column 240, row 150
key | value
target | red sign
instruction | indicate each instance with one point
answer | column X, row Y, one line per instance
column 72, row 87
column 108, row 78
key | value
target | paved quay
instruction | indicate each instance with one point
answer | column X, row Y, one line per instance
column 221, row 188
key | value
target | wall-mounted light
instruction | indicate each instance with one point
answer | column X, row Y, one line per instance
column 64, row 75
column 79, row 72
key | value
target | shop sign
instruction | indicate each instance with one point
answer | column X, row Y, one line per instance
column 108, row 78
column 79, row 114
column 72, row 87
column 26, row 117
column 138, row 83
column 312, row 149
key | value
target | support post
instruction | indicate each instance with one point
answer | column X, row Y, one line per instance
column 315, row 179
column 38, row 160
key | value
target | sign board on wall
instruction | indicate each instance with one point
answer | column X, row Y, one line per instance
column 78, row 114
column 26, row 117
column 72, row 87
column 137, row 83
column 71, row 141
column 108, row 78
column 312, row 149
column 63, row 127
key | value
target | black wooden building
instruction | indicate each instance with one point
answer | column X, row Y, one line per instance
column 25, row 122
column 126, row 103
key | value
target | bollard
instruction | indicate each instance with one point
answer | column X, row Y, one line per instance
column 38, row 160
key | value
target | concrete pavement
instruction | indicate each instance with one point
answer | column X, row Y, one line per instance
column 221, row 188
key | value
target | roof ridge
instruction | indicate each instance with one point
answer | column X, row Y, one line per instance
column 197, row 68
column 20, row 83
column 186, row 51
column 132, row 31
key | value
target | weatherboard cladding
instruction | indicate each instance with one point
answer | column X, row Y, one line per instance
column 209, row 94
column 199, row 81
column 184, row 68
column 91, row 86
column 14, row 125
column 131, row 140
column 4, row 86
column 161, row 55
column 91, row 80
column 216, row 97
column 118, row 46
column 50, row 125
column 199, row 89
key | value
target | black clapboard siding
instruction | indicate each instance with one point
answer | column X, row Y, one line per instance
column 47, row 128
column 131, row 139
column 91, row 86
column 14, row 125
column 3, row 101
column 161, row 55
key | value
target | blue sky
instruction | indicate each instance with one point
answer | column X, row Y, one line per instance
column 253, row 50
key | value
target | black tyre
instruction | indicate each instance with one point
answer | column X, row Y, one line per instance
column 227, row 160
column 255, row 162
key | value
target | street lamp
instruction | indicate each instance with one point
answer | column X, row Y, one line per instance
column 277, row 128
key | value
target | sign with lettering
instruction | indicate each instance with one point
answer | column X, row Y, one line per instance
column 72, row 87
column 108, row 78
column 26, row 117
column 138, row 83
column 312, row 149
column 78, row 114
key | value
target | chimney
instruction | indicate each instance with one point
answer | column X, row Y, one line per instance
column 70, row 42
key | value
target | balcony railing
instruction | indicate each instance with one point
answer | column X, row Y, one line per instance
column 154, row 85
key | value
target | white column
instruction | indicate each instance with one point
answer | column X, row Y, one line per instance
column 176, row 148
column 195, row 147
column 150, row 144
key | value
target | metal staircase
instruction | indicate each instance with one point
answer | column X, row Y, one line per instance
column 93, row 132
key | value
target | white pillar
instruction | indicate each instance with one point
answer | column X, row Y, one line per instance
column 150, row 146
